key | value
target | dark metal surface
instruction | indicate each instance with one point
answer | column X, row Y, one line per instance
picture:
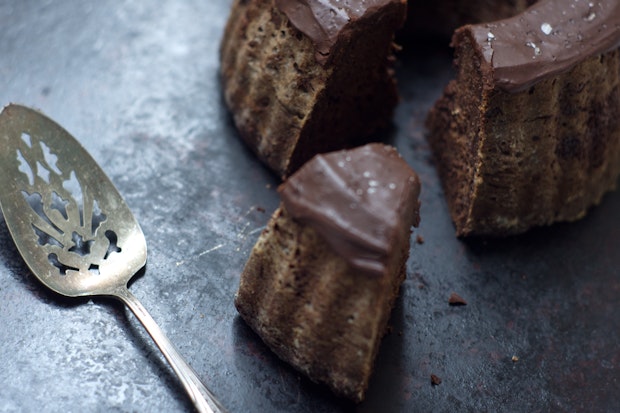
column 137, row 83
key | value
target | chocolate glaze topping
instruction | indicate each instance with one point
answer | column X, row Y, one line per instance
column 323, row 20
column 548, row 38
column 359, row 201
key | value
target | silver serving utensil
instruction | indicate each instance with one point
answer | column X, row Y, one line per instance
column 73, row 228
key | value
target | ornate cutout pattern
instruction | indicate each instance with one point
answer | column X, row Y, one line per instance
column 69, row 223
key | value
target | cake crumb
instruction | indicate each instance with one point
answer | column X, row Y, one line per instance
column 435, row 380
column 456, row 299
column 419, row 239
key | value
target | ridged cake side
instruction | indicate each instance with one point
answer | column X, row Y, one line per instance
column 312, row 309
column 270, row 79
column 510, row 161
column 285, row 104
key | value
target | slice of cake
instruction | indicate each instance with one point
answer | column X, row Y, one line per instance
column 303, row 77
column 528, row 133
column 321, row 280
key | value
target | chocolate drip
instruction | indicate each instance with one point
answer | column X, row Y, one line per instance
column 548, row 38
column 362, row 201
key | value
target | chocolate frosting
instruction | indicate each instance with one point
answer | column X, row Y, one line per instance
column 548, row 38
column 323, row 20
column 362, row 201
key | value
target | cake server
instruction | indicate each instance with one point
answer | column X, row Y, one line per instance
column 73, row 228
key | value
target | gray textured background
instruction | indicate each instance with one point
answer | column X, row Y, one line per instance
column 136, row 82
